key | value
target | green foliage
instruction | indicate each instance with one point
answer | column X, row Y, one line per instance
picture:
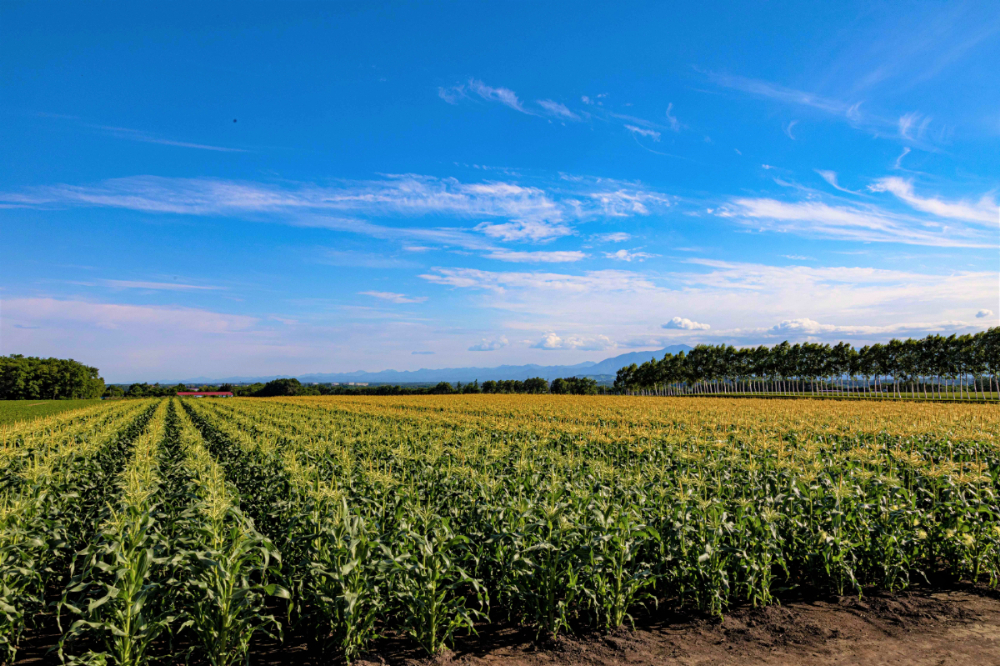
column 32, row 378
column 428, row 586
column 574, row 386
column 956, row 367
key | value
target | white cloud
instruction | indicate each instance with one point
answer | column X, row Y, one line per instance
column 831, row 178
column 490, row 344
column 591, row 281
column 551, row 341
column 626, row 255
column 899, row 160
column 512, row 211
column 626, row 203
column 982, row 314
column 505, row 96
column 814, row 218
column 806, row 326
column 653, row 134
column 684, row 324
column 986, row 210
column 453, row 94
column 743, row 301
column 158, row 286
column 558, row 110
column 613, row 237
column 43, row 312
column 674, row 123
column 143, row 137
column 913, row 125
column 542, row 257
column 394, row 297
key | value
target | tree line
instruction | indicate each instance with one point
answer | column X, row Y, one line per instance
column 34, row 378
column 957, row 366
column 292, row 387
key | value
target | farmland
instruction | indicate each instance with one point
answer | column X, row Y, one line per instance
column 12, row 411
column 204, row 528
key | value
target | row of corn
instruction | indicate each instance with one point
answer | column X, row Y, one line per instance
column 402, row 518
column 180, row 530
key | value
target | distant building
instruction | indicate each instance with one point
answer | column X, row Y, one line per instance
column 204, row 394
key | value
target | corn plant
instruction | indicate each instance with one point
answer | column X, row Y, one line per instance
column 225, row 562
column 114, row 592
column 340, row 589
column 427, row 587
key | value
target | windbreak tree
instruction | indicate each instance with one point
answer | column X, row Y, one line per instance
column 966, row 366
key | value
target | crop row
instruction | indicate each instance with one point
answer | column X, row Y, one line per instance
column 563, row 531
column 180, row 529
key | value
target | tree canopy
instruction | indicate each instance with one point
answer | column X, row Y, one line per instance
column 33, row 378
column 971, row 360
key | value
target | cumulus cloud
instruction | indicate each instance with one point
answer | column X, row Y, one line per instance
column 804, row 325
column 490, row 344
column 982, row 314
column 684, row 324
column 394, row 297
column 551, row 341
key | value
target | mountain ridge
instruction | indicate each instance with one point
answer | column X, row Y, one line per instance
column 608, row 366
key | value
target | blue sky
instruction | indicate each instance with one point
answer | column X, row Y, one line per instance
column 213, row 189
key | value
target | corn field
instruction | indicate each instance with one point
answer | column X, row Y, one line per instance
column 187, row 530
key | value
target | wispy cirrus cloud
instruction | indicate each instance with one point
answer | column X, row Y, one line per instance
column 512, row 211
column 641, row 131
column 629, row 255
column 986, row 210
column 912, row 127
column 612, row 237
column 558, row 110
column 831, row 178
column 505, row 96
column 145, row 137
column 393, row 297
column 156, row 286
column 849, row 222
column 555, row 257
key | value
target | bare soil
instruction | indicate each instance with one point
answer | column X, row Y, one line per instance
column 924, row 627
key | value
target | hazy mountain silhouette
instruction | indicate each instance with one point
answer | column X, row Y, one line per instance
column 608, row 366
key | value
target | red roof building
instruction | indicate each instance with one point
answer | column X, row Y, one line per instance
column 204, row 394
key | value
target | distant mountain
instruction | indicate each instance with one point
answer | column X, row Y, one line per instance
column 608, row 366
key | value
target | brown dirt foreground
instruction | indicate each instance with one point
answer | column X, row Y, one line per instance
column 916, row 628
